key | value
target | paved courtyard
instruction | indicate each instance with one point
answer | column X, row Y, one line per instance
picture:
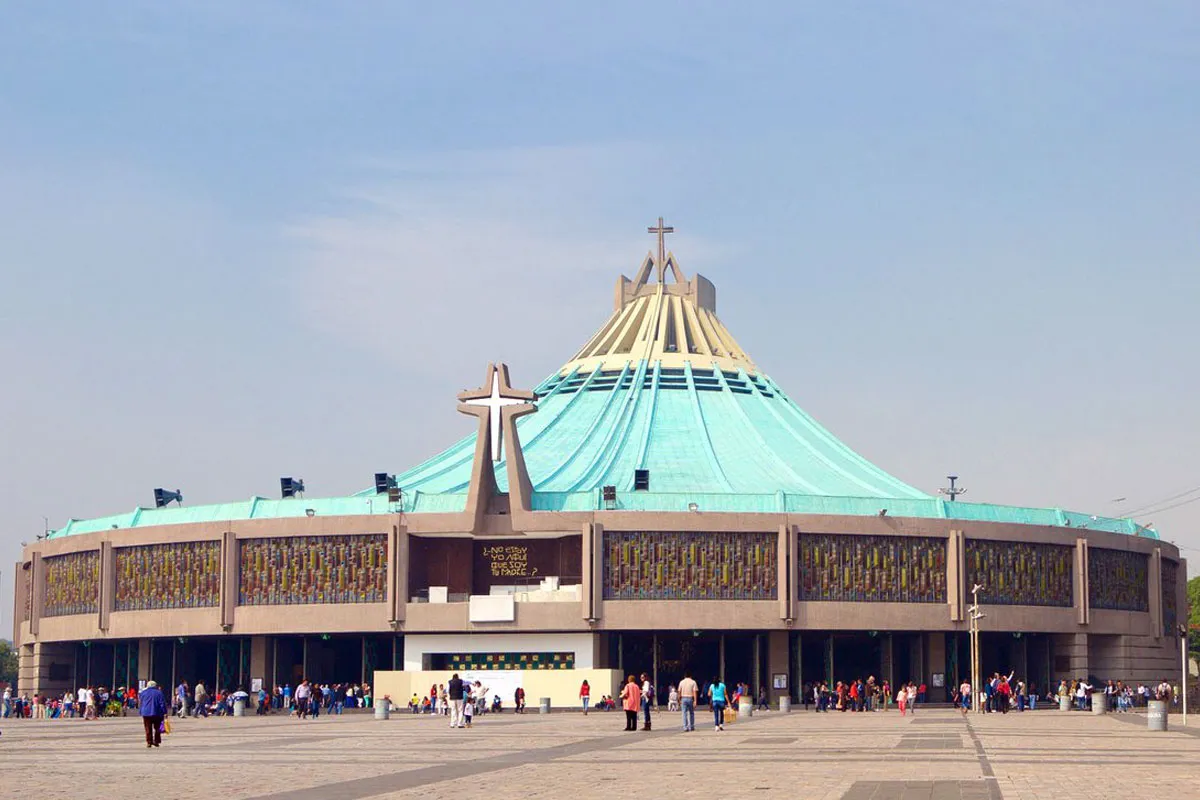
column 935, row 754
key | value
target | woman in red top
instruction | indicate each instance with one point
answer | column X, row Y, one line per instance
column 585, row 694
column 631, row 701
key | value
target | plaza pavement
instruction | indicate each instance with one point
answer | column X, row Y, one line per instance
column 935, row 755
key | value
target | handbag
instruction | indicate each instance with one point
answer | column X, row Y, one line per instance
column 166, row 726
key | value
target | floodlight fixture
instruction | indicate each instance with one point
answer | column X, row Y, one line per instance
column 883, row 512
column 693, row 507
column 383, row 482
column 163, row 497
column 310, row 512
column 290, row 487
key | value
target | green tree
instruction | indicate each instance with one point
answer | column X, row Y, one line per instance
column 1194, row 615
column 8, row 662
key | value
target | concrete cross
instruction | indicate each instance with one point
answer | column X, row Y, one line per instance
column 494, row 402
column 662, row 230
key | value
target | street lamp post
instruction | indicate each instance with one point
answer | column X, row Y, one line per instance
column 976, row 678
column 1183, row 653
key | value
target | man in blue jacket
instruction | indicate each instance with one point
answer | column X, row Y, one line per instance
column 153, row 707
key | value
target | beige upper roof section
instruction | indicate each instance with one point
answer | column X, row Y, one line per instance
column 671, row 323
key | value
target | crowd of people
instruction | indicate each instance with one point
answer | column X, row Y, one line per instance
column 89, row 702
column 307, row 700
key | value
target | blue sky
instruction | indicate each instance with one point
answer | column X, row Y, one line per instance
column 240, row 241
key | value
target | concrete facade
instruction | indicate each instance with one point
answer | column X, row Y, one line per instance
column 1129, row 645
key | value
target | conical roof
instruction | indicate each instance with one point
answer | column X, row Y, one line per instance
column 664, row 386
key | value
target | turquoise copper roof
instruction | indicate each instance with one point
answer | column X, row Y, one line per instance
column 662, row 386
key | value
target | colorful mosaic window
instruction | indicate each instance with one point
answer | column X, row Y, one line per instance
column 175, row 575
column 690, row 566
column 1170, row 596
column 313, row 569
column 72, row 584
column 1021, row 573
column 1118, row 579
column 874, row 569
column 502, row 661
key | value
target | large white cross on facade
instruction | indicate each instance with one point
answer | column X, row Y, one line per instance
column 494, row 402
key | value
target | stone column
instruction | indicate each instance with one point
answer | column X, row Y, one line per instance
column 587, row 572
column 108, row 584
column 956, row 575
column 145, row 651
column 1155, row 588
column 785, row 572
column 260, row 653
column 597, row 556
column 229, row 578
column 38, row 602
column 934, row 661
column 777, row 662
column 1082, row 604
column 398, row 561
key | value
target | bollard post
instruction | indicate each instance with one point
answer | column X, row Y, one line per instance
column 785, row 704
column 543, row 705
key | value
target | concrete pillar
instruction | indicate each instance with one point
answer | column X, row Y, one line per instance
column 398, row 561
column 721, row 658
column 1082, row 603
column 785, row 570
column 1073, row 647
column 45, row 667
column 39, row 593
column 888, row 659
column 798, row 672
column 935, row 662
column 956, row 572
column 777, row 663
column 260, row 657
column 756, row 673
column 1156, row 603
column 145, row 651
column 108, row 584
column 588, row 572
column 229, row 578
column 598, row 577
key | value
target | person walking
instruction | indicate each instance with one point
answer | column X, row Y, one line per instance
column 153, row 708
column 585, row 695
column 631, row 699
column 455, row 690
column 689, row 694
column 717, row 698
column 647, row 699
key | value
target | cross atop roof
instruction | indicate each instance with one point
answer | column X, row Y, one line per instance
column 662, row 230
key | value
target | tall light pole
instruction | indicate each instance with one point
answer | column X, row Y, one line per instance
column 954, row 491
column 976, row 615
column 1183, row 651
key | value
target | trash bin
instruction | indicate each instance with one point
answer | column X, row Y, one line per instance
column 1064, row 702
column 1099, row 703
column 383, row 709
column 543, row 705
column 239, row 707
column 745, row 707
column 1156, row 715
column 785, row 704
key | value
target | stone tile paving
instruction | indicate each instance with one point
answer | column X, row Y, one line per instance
column 565, row 756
